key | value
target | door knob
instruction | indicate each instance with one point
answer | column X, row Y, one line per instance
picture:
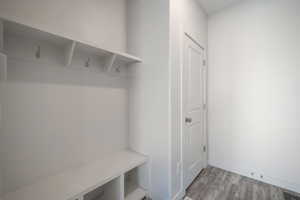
column 188, row 120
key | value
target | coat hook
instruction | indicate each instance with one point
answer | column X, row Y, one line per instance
column 38, row 52
column 87, row 63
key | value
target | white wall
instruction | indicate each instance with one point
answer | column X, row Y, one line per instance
column 148, row 38
column 186, row 17
column 1, row 162
column 55, row 117
column 254, row 79
column 194, row 21
column 48, row 128
column 155, row 33
column 101, row 22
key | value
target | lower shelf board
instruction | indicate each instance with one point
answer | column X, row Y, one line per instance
column 137, row 194
column 80, row 180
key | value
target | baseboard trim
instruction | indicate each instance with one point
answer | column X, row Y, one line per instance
column 295, row 187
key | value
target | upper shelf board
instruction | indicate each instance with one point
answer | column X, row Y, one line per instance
column 70, row 45
column 79, row 181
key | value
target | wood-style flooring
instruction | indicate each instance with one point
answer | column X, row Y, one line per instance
column 217, row 184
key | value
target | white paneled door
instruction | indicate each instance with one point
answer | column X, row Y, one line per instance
column 193, row 99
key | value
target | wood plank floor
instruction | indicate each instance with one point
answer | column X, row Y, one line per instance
column 217, row 184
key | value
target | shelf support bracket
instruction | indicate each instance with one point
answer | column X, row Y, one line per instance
column 69, row 52
column 109, row 62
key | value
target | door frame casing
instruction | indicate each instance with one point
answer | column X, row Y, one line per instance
column 186, row 36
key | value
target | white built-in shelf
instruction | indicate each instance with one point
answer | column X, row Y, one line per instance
column 136, row 194
column 75, row 183
column 112, row 59
column 133, row 190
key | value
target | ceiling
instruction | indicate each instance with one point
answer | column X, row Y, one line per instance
column 211, row 6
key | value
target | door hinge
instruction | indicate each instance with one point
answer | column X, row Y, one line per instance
column 204, row 148
column 204, row 62
column 204, row 106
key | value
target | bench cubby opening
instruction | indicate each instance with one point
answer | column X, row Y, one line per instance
column 132, row 187
column 109, row 191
